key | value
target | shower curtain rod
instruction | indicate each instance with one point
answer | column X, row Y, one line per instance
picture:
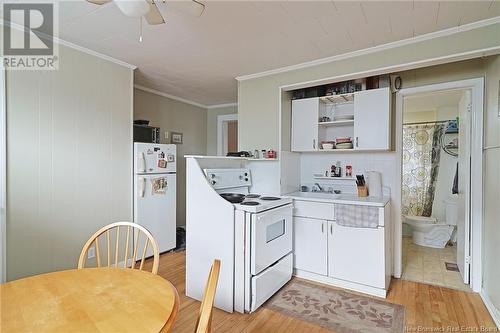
column 429, row 122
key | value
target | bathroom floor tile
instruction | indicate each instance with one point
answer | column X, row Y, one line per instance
column 428, row 265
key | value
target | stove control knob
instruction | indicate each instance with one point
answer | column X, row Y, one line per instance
column 212, row 175
column 213, row 182
column 246, row 174
column 241, row 177
column 246, row 179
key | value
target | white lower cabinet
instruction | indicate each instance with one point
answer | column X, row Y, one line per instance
column 359, row 259
column 310, row 245
column 356, row 254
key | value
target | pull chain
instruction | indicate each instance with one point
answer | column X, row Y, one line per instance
column 140, row 29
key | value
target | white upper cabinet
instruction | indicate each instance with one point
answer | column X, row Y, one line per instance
column 364, row 116
column 372, row 119
column 305, row 124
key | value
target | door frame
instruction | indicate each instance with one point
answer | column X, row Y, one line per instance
column 3, row 174
column 476, row 190
column 220, row 130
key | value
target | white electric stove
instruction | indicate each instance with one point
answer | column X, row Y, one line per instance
column 255, row 203
column 260, row 261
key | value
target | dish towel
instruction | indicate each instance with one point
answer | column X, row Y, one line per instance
column 356, row 216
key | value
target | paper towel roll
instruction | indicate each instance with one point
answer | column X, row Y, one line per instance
column 374, row 183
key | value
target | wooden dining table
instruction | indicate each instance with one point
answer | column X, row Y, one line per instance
column 89, row 300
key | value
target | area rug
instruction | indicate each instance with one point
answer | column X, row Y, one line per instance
column 337, row 310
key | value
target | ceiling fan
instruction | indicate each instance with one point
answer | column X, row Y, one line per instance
column 149, row 9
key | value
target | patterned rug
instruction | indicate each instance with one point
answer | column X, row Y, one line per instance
column 337, row 310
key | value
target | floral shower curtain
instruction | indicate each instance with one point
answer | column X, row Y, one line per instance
column 421, row 153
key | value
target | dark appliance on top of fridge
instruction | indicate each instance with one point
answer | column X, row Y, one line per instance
column 146, row 134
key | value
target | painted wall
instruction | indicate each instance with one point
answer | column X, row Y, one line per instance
column 212, row 126
column 491, row 224
column 69, row 170
column 171, row 115
column 258, row 98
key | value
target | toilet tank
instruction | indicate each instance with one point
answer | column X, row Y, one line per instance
column 451, row 211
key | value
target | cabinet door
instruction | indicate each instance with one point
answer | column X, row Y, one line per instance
column 356, row 254
column 310, row 245
column 305, row 124
column 372, row 119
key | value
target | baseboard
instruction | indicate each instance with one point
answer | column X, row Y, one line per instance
column 340, row 283
column 494, row 312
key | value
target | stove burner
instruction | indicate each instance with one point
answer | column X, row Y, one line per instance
column 253, row 196
column 250, row 203
column 270, row 198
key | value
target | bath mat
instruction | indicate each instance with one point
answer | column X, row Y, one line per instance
column 451, row 267
column 337, row 310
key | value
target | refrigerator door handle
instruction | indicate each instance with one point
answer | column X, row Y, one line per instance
column 142, row 189
column 141, row 162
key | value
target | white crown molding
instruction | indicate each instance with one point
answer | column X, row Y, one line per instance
column 94, row 53
column 176, row 98
column 226, row 105
column 494, row 312
column 75, row 47
column 378, row 48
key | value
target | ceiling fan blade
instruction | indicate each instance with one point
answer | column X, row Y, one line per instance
column 191, row 7
column 153, row 17
column 198, row 7
column 99, row 2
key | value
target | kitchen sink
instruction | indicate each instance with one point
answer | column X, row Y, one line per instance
column 318, row 195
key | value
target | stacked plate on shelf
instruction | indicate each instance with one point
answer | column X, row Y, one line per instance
column 327, row 145
column 343, row 143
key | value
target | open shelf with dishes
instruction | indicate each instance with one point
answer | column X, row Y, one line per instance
column 336, row 122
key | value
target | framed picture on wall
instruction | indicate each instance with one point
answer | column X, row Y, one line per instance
column 176, row 138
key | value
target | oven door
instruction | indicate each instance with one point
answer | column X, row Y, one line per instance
column 271, row 235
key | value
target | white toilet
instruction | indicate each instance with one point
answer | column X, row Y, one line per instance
column 427, row 231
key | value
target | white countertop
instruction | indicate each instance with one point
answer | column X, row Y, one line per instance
column 348, row 199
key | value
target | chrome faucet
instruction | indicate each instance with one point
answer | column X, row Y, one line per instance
column 320, row 188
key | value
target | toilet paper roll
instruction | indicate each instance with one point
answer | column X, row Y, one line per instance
column 374, row 184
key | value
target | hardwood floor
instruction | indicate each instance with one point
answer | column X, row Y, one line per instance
column 427, row 307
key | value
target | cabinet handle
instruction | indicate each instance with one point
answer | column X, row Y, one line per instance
column 314, row 143
column 357, row 142
column 331, row 229
column 322, row 228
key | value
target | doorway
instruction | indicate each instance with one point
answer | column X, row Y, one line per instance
column 439, row 142
column 435, row 190
column 227, row 134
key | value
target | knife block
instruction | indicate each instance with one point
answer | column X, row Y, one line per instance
column 362, row 191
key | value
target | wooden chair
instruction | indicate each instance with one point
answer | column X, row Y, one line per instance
column 131, row 239
column 204, row 322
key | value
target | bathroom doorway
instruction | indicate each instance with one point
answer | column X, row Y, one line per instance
column 437, row 143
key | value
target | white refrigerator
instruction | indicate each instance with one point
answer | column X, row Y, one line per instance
column 155, row 192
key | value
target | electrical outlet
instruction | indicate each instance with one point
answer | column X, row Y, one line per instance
column 91, row 252
column 166, row 135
